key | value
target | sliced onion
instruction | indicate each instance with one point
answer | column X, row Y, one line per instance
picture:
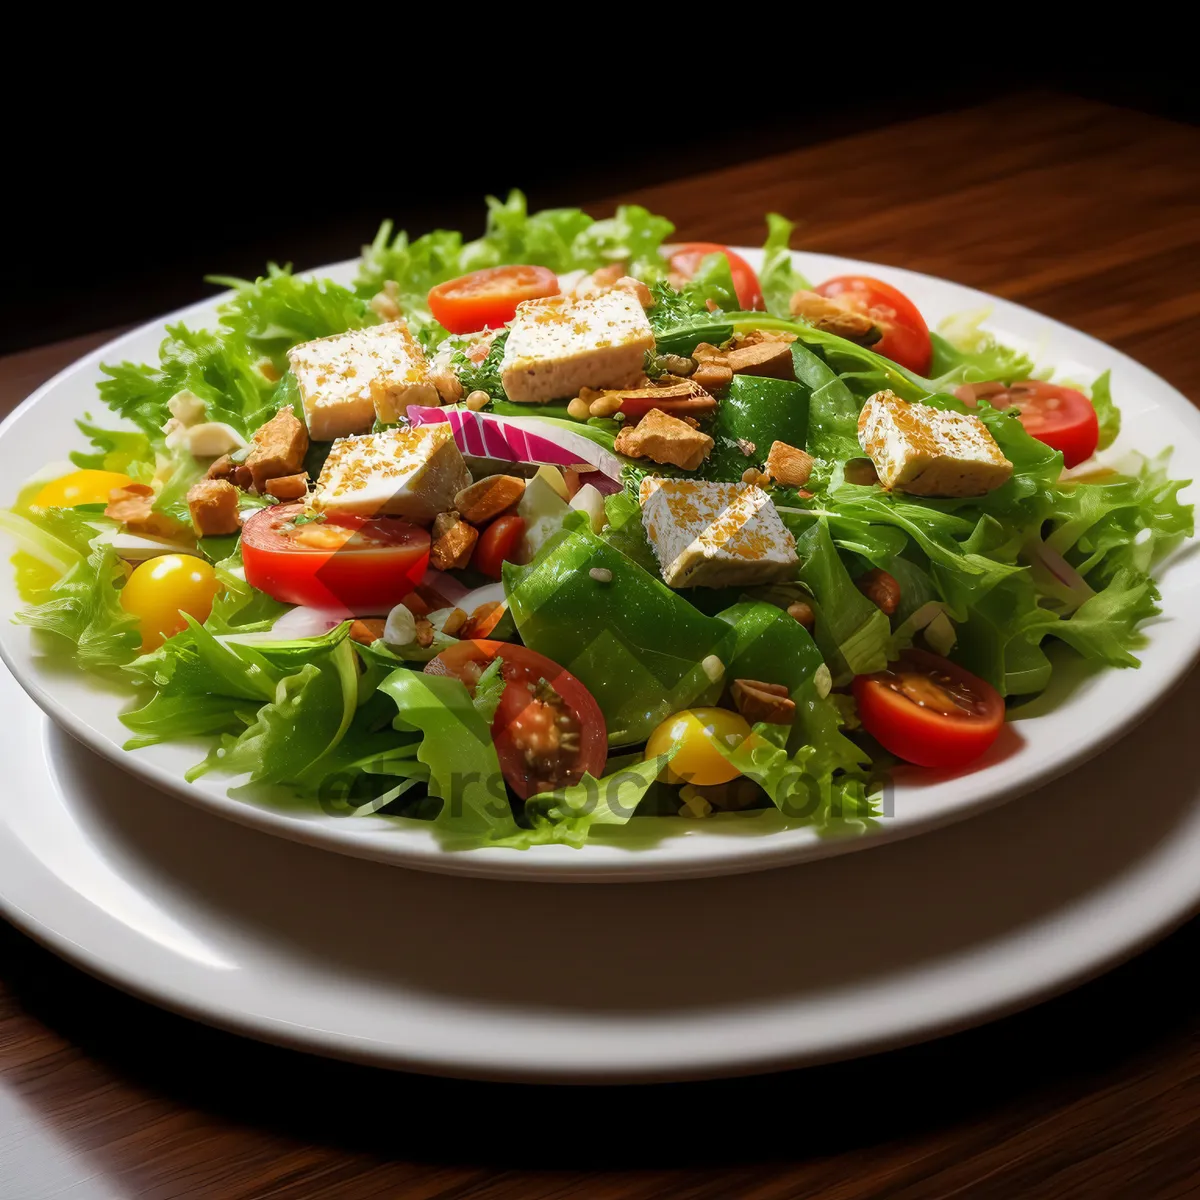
column 1072, row 589
column 518, row 439
column 303, row 622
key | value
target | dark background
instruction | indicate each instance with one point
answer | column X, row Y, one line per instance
column 124, row 210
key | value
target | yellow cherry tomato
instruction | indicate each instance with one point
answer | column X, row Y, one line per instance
column 162, row 589
column 80, row 487
column 698, row 731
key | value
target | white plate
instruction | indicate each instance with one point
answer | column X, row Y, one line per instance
column 633, row 982
column 1101, row 705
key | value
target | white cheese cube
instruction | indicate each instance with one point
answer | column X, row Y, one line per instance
column 348, row 380
column 411, row 473
column 715, row 534
column 922, row 450
column 557, row 346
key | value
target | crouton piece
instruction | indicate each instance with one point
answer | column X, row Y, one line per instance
column 453, row 542
column 132, row 506
column 279, row 449
column 367, row 631
column 665, row 439
column 788, row 465
column 928, row 451
column 489, row 497
column 773, row 359
column 288, row 487
column 213, row 504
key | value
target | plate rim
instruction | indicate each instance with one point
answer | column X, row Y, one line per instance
column 749, row 854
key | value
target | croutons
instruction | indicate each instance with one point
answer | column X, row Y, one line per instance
column 773, row 359
column 213, row 504
column 132, row 507
column 489, row 497
column 832, row 317
column 288, row 487
column 279, row 449
column 665, row 439
column 788, row 465
column 453, row 542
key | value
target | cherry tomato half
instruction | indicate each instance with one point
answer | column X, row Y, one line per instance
column 489, row 298
column 1059, row 416
column 548, row 729
column 497, row 543
column 929, row 711
column 355, row 564
column 905, row 337
column 686, row 261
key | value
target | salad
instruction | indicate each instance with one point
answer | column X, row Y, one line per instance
column 544, row 532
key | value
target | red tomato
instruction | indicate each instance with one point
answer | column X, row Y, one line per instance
column 548, row 729
column 488, row 298
column 343, row 563
column 1059, row 416
column 905, row 337
column 686, row 260
column 497, row 543
column 929, row 711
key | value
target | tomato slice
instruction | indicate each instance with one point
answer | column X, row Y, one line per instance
column 686, row 261
column 548, row 729
column 905, row 337
column 352, row 564
column 497, row 543
column 929, row 711
column 488, row 299
column 1059, row 416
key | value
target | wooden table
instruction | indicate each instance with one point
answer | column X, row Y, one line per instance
column 1089, row 214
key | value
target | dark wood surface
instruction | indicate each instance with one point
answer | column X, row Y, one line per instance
column 1087, row 213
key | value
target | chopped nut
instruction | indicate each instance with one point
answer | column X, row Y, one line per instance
column 451, row 620
column 679, row 397
column 606, row 404
column 767, row 702
column 579, row 408
column 675, row 364
column 833, row 317
column 789, row 465
column 448, row 385
column 222, row 468
column 802, row 611
column 279, row 449
column 753, row 337
column 712, row 376
column 664, row 439
column 453, row 542
column 367, row 631
column 488, row 497
column 213, row 504
column 746, row 447
column 601, row 574
column 637, row 289
column 707, row 352
column 478, row 399
column 753, row 475
column 425, row 632
column 288, row 487
column 133, row 507
column 860, row 471
column 772, row 359
column 881, row 589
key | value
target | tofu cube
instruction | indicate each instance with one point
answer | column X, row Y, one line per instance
column 557, row 345
column 349, row 379
column 413, row 473
column 715, row 534
column 213, row 504
column 927, row 452
column 279, row 449
column 664, row 439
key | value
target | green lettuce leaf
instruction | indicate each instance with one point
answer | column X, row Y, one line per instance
column 115, row 450
column 681, row 321
column 778, row 276
column 1107, row 413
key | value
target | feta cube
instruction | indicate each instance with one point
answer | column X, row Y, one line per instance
column 412, row 473
column 928, row 452
column 715, row 534
column 349, row 379
column 557, row 345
